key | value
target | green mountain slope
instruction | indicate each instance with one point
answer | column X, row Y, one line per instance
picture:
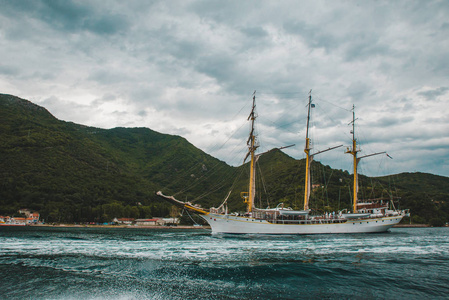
column 69, row 172
column 74, row 173
column 426, row 195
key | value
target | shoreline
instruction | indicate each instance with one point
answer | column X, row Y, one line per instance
column 177, row 227
column 412, row 226
column 120, row 226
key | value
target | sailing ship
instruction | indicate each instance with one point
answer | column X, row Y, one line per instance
column 366, row 217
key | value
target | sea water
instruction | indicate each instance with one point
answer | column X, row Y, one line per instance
column 130, row 263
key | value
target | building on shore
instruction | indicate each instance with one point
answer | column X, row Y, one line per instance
column 157, row 222
column 171, row 221
column 124, row 221
column 28, row 219
column 148, row 222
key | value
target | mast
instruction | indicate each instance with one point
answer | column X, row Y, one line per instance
column 252, row 146
column 309, row 158
column 356, row 160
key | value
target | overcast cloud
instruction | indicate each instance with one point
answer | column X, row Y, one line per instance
column 190, row 67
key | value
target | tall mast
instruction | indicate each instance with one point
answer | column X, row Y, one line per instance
column 353, row 152
column 252, row 146
column 309, row 158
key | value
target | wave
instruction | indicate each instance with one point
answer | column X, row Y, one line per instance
column 188, row 264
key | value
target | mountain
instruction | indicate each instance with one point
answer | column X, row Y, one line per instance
column 75, row 173
column 426, row 195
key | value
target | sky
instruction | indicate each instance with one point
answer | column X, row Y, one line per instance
column 190, row 68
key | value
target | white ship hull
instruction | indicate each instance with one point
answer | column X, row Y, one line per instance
column 220, row 223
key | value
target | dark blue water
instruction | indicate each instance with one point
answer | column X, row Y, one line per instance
column 103, row 263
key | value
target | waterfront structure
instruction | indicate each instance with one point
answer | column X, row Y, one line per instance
column 28, row 219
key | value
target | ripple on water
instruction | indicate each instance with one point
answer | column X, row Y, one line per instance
column 190, row 264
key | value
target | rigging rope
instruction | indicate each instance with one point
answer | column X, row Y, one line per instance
column 263, row 186
column 190, row 216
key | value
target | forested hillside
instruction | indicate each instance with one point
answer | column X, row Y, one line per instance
column 74, row 173
column 426, row 195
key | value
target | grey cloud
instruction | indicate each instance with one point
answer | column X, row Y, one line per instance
column 119, row 113
column 108, row 24
column 142, row 113
column 108, row 77
column 357, row 91
column 388, row 122
column 440, row 64
column 104, row 99
column 50, row 101
column 222, row 68
column 191, row 63
column 432, row 95
column 185, row 50
column 404, row 105
column 146, row 95
column 254, row 32
column 71, row 16
column 314, row 36
column 64, row 14
column 222, row 12
column 9, row 70
column 43, row 75
column 365, row 49
column 437, row 120
column 404, row 133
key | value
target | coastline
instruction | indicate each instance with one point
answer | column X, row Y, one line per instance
column 177, row 227
column 411, row 226
column 169, row 227
column 120, row 226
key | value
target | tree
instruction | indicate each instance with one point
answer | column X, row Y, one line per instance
column 436, row 222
